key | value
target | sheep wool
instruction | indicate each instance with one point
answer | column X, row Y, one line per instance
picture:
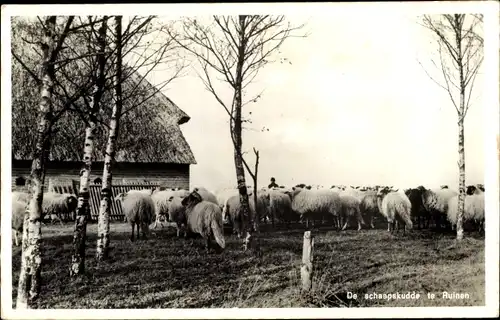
column 139, row 209
column 314, row 204
column 474, row 209
column 369, row 207
column 18, row 212
column 350, row 209
column 57, row 204
column 280, row 207
column 204, row 218
column 176, row 214
column 234, row 214
column 395, row 206
column 206, row 195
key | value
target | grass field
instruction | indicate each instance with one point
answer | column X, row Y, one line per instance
column 167, row 272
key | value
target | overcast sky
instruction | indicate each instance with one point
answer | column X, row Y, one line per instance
column 354, row 107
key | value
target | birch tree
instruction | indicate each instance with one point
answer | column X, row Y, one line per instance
column 235, row 48
column 114, row 126
column 460, row 51
column 83, row 209
column 31, row 258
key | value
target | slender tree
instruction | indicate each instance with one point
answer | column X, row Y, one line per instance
column 114, row 126
column 235, row 48
column 83, row 209
column 460, row 49
column 31, row 258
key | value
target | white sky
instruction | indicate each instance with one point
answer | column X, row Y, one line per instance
column 354, row 107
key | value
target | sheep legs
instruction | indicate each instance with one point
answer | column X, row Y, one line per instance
column 16, row 234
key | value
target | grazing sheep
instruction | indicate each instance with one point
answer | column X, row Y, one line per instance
column 369, row 207
column 56, row 204
column 316, row 204
column 161, row 201
column 350, row 209
column 395, row 206
column 18, row 212
column 139, row 209
column 473, row 210
column 280, row 207
column 418, row 212
column 436, row 203
column 204, row 218
column 224, row 194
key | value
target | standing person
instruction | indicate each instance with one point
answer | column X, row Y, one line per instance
column 273, row 184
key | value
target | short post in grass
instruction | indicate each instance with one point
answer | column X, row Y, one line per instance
column 306, row 271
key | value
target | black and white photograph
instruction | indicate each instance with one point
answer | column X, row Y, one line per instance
column 304, row 160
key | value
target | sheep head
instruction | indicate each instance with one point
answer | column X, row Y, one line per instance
column 383, row 192
column 192, row 199
column 120, row 197
column 470, row 190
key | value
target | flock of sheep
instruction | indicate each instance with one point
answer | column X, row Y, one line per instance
column 205, row 213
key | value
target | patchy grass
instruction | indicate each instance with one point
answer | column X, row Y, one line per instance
column 167, row 272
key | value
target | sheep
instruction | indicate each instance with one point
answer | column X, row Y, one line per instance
column 204, row 218
column 369, row 207
column 224, row 194
column 176, row 214
column 350, row 209
column 395, row 206
column 280, row 207
column 161, row 201
column 20, row 196
column 56, row 204
column 312, row 204
column 474, row 208
column 18, row 212
column 436, row 203
column 206, row 195
column 139, row 209
column 418, row 212
column 474, row 189
column 233, row 213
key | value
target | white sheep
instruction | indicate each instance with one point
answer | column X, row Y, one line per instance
column 18, row 213
column 139, row 209
column 176, row 214
column 395, row 206
column 435, row 201
column 316, row 205
column 369, row 206
column 474, row 209
column 57, row 204
column 206, row 195
column 350, row 209
column 280, row 207
column 233, row 211
column 204, row 218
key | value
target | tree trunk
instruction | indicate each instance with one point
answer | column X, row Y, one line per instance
column 106, row 191
column 247, row 215
column 83, row 211
column 461, row 149
column 31, row 260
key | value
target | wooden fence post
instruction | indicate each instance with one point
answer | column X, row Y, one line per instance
column 306, row 271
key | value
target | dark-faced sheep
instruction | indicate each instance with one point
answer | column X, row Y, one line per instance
column 419, row 214
column 435, row 202
column 204, row 218
column 56, row 205
column 139, row 209
column 396, row 207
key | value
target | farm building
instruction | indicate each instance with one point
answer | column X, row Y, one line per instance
column 161, row 155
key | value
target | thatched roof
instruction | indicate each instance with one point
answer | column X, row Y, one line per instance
column 168, row 146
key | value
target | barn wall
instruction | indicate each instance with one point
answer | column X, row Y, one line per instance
column 170, row 175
